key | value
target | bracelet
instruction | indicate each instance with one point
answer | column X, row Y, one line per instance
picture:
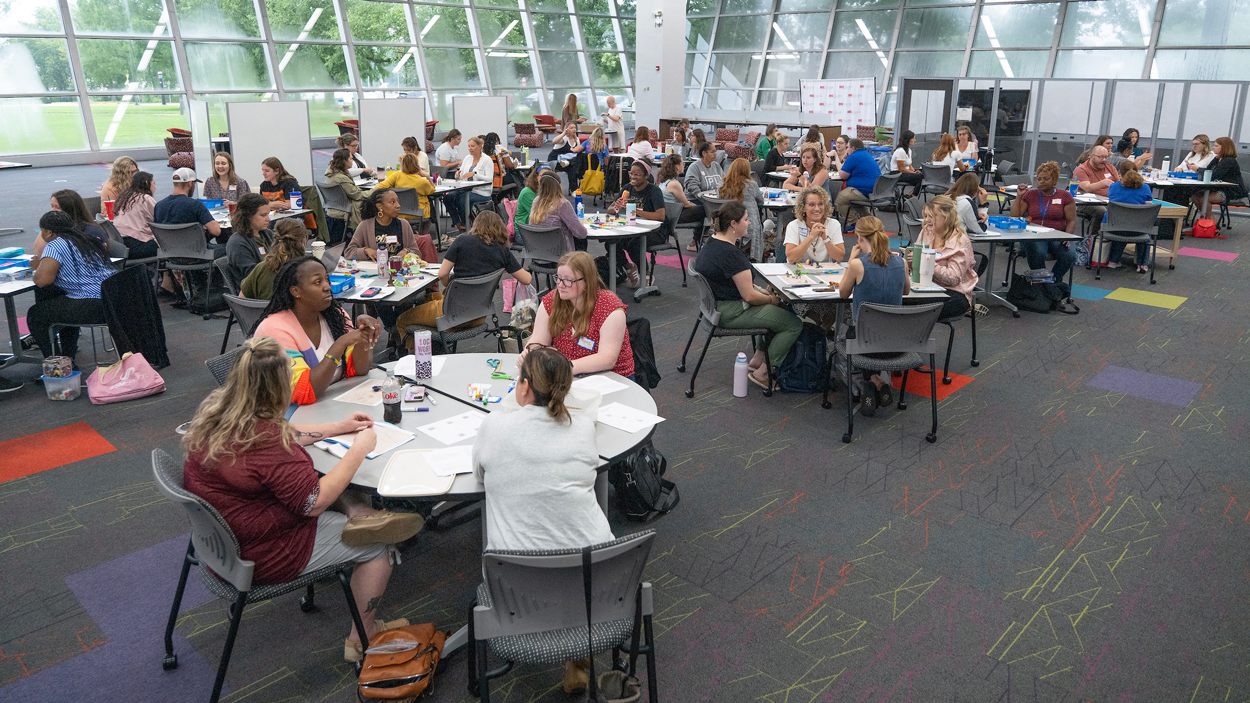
column 337, row 361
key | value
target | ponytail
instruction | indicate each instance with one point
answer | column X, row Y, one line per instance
column 871, row 228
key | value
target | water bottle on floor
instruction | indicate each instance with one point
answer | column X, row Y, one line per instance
column 740, row 376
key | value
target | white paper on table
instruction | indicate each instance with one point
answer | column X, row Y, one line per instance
column 627, row 419
column 361, row 288
column 362, row 395
column 935, row 288
column 602, row 384
column 1035, row 229
column 452, row 460
column 627, row 229
column 772, row 269
column 813, row 294
column 455, row 429
column 14, row 286
column 389, row 437
column 1163, row 182
column 407, row 366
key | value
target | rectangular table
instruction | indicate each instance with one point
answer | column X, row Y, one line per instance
column 1033, row 233
column 399, row 296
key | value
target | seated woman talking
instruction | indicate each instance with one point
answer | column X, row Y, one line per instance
column 1132, row 190
column 381, row 226
column 670, row 182
column 969, row 198
column 132, row 216
column 551, row 209
column 813, row 235
column 875, row 275
column 68, row 274
column 584, row 322
column 1223, row 167
column 249, row 237
column 409, row 176
column 71, row 203
column 481, row 251
column 245, row 460
column 740, row 303
column 314, row 330
column 810, row 171
column 290, row 236
column 540, row 493
column 738, row 185
column 775, row 159
column 410, row 145
column 1052, row 207
column 955, row 268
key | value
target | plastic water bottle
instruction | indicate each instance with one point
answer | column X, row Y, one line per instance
column 526, row 152
column 740, row 376
column 1167, row 165
column 577, row 204
column 391, row 411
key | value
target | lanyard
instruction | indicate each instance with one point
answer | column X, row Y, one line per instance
column 1044, row 206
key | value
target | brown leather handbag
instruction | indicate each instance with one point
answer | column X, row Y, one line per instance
column 400, row 663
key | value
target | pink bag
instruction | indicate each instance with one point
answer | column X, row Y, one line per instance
column 509, row 293
column 130, row 378
column 509, row 207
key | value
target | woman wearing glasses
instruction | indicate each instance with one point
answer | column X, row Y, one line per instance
column 583, row 320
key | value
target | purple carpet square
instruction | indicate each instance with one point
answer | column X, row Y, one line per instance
column 1207, row 254
column 129, row 599
column 1140, row 384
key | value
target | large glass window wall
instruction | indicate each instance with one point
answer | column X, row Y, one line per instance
column 750, row 54
column 92, row 75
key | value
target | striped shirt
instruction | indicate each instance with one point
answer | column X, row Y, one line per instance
column 79, row 278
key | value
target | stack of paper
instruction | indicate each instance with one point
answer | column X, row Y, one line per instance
column 602, row 384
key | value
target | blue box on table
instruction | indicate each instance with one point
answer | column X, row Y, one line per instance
column 340, row 283
column 1001, row 222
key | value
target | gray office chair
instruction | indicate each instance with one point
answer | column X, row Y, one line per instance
column 93, row 205
column 246, row 312
column 709, row 318
column 409, row 203
column 1132, row 224
column 757, row 172
column 185, row 248
column 334, row 197
column 466, row 301
column 904, row 332
column 883, row 194
column 912, row 219
column 980, row 261
column 543, row 248
column 220, row 366
column 672, row 212
column 833, row 186
column 531, row 608
column 935, row 179
column 225, row 573
column 712, row 205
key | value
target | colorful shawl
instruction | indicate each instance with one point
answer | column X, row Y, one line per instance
column 285, row 328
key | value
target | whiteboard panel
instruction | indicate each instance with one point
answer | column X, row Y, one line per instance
column 201, row 142
column 385, row 122
column 1065, row 107
column 1134, row 107
column 1169, row 119
column 478, row 114
column 264, row 129
column 1209, row 110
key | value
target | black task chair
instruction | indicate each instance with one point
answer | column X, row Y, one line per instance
column 1132, row 224
column 709, row 318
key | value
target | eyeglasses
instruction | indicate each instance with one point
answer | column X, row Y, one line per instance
column 535, row 345
column 568, row 281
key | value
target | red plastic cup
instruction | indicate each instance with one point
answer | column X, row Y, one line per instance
column 230, row 205
column 108, row 209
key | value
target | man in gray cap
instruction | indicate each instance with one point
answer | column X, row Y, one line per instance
column 181, row 209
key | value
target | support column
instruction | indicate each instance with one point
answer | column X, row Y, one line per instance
column 660, row 84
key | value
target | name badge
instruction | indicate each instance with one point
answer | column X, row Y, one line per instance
column 1057, row 201
column 262, row 250
column 586, row 343
column 232, row 188
column 392, row 239
column 1106, row 175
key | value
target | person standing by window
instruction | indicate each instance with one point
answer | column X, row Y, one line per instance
column 614, row 124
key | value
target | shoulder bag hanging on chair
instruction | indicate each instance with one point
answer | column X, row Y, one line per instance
column 592, row 180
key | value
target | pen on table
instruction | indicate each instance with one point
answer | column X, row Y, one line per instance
column 802, row 285
column 416, row 410
column 431, row 399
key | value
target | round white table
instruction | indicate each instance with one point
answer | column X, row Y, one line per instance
column 448, row 389
column 613, row 234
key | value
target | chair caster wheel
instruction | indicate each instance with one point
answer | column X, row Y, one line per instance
column 681, row 368
column 846, row 438
column 208, row 317
column 902, row 406
column 1016, row 314
column 976, row 362
column 1171, row 266
column 946, row 381
column 171, row 662
column 689, row 393
column 826, row 405
column 768, row 393
column 1153, row 282
column 307, row 605
column 930, row 438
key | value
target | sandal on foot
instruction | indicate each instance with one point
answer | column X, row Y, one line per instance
column 762, row 384
column 692, row 248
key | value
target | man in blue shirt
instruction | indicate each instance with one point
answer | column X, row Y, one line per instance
column 859, row 175
column 181, row 208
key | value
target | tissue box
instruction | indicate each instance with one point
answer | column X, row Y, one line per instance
column 338, row 284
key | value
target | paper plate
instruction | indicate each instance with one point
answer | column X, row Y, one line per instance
column 408, row 474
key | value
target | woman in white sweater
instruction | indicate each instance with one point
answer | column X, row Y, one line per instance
column 539, row 467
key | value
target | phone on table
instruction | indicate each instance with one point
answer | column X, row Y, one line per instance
column 414, row 394
column 370, row 292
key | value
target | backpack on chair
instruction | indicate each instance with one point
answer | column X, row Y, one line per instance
column 592, row 179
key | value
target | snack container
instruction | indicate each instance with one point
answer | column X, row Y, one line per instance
column 58, row 367
column 67, row 388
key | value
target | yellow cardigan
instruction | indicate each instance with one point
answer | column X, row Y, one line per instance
column 424, row 188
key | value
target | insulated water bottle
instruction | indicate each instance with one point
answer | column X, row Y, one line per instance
column 740, row 376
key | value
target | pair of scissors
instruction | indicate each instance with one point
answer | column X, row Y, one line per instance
column 493, row 363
